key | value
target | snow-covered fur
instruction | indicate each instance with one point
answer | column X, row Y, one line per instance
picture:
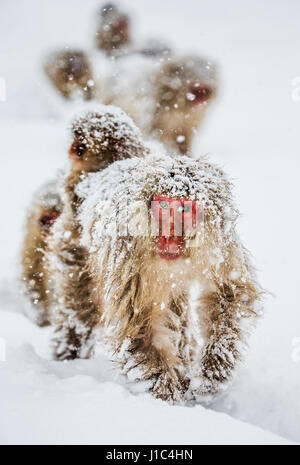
column 70, row 72
column 166, row 94
column 158, row 93
column 143, row 301
column 113, row 33
column 100, row 136
column 153, row 86
column 45, row 208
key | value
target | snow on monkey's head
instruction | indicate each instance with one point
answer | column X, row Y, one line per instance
column 187, row 82
column 159, row 208
column 184, row 88
column 102, row 135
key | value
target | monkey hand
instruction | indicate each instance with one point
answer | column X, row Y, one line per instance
column 72, row 342
column 170, row 386
column 217, row 365
column 164, row 382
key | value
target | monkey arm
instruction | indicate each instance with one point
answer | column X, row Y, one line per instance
column 149, row 339
column 225, row 309
column 75, row 311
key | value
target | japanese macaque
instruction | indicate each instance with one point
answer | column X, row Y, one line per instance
column 45, row 210
column 113, row 32
column 166, row 97
column 99, row 137
column 71, row 74
column 151, row 228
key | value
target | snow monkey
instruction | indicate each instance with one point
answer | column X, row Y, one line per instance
column 165, row 95
column 154, row 227
column 113, row 32
column 46, row 208
column 71, row 74
column 99, row 137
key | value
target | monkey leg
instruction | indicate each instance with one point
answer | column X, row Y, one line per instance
column 154, row 351
column 76, row 314
column 44, row 211
column 35, row 279
column 225, row 309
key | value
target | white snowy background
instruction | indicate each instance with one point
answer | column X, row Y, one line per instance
column 252, row 130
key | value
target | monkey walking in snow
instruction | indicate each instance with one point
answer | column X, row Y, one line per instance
column 99, row 138
column 70, row 72
column 134, row 280
column 113, row 33
column 166, row 95
column 44, row 211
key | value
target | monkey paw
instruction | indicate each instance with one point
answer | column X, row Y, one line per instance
column 169, row 388
column 202, row 389
column 63, row 352
column 218, row 363
column 213, row 377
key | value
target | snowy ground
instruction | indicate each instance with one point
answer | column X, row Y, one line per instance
column 253, row 132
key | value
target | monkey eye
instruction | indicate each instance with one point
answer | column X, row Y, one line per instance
column 164, row 204
column 78, row 147
column 184, row 209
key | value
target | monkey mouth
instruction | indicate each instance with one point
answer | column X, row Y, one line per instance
column 170, row 248
column 169, row 256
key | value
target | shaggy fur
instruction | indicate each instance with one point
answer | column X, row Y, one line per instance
column 151, row 85
column 99, row 137
column 34, row 270
column 71, row 74
column 113, row 32
column 142, row 300
column 157, row 92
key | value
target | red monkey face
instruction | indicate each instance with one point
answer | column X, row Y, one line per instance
column 48, row 219
column 120, row 30
column 199, row 94
column 78, row 150
column 174, row 217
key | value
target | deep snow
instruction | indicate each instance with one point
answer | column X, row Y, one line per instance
column 252, row 130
